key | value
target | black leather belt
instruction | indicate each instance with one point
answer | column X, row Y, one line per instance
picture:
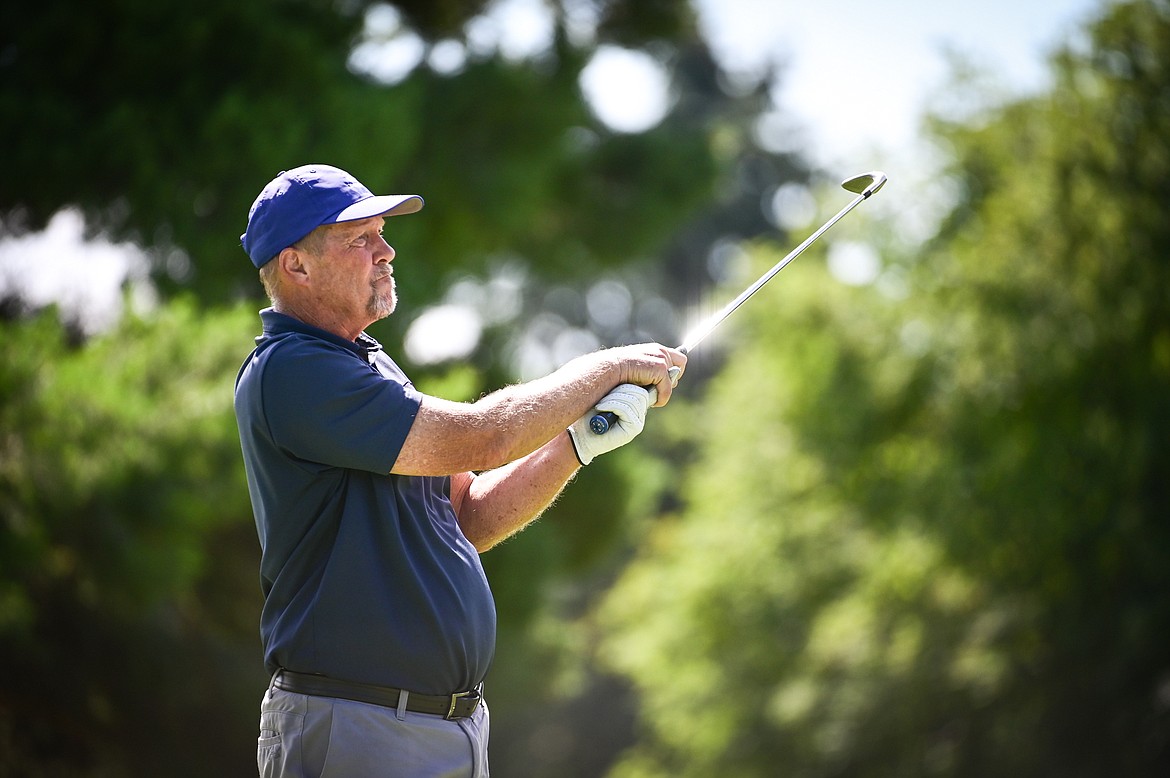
column 449, row 706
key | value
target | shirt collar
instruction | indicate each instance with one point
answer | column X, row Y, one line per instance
column 276, row 323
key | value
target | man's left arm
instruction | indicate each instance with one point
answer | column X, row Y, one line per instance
column 496, row 504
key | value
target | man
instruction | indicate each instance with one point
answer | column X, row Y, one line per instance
column 372, row 500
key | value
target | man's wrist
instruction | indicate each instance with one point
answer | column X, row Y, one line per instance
column 576, row 450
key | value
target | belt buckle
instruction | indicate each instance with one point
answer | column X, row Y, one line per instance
column 455, row 698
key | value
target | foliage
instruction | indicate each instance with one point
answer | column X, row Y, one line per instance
column 127, row 558
column 163, row 121
column 935, row 544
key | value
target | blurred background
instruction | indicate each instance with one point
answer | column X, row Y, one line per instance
column 909, row 512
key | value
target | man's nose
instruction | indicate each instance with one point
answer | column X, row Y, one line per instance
column 385, row 252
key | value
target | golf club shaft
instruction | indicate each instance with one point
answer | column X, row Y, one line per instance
column 601, row 422
column 699, row 334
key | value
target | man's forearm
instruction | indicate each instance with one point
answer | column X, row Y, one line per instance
column 450, row 437
column 497, row 504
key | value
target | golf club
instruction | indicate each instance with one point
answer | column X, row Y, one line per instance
column 862, row 185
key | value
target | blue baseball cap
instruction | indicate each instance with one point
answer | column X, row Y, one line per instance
column 300, row 200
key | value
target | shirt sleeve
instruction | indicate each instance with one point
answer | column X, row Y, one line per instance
column 328, row 406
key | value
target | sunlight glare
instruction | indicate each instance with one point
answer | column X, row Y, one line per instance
column 629, row 91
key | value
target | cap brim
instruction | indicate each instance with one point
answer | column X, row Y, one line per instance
column 380, row 205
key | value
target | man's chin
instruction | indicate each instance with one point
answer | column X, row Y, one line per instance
column 381, row 307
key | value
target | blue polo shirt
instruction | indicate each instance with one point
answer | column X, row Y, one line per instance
column 366, row 575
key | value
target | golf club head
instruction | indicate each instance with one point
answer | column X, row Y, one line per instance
column 866, row 183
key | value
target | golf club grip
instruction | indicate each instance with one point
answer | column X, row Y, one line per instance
column 601, row 421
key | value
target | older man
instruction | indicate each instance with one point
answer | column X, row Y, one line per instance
column 373, row 501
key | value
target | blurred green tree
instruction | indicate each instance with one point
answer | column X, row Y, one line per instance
column 162, row 122
column 936, row 543
column 128, row 562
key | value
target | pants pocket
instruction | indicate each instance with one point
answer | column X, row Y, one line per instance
column 268, row 756
column 278, row 746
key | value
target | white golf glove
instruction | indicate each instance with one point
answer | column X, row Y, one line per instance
column 629, row 403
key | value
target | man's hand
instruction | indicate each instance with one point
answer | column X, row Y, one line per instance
column 629, row 404
column 649, row 365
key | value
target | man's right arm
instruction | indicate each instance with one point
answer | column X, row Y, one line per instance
column 449, row 437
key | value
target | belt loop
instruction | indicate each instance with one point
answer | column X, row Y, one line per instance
column 403, row 696
column 272, row 680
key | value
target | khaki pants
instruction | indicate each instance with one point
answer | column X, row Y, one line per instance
column 303, row 736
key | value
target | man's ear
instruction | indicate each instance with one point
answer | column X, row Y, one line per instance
column 292, row 265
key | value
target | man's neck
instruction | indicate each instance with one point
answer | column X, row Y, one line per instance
column 327, row 320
